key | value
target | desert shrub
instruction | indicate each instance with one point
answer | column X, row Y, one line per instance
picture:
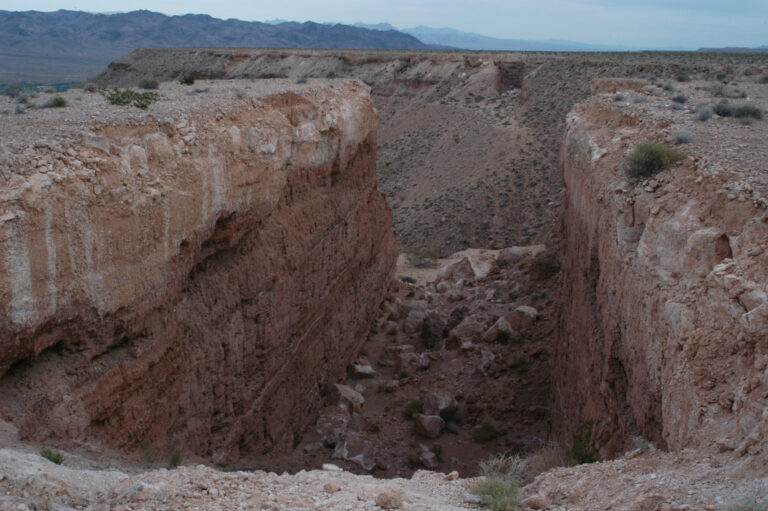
column 504, row 466
column 648, row 158
column 422, row 258
column 90, row 87
column 682, row 76
column 668, row 87
column 487, row 432
column 619, row 97
column 55, row 102
column 301, row 79
column 764, row 79
column 680, row 98
column 748, row 112
column 681, row 137
column 52, row 455
column 117, row 96
column 149, row 83
column 413, row 407
column 437, row 450
column 176, row 458
column 498, row 494
column 14, row 91
column 331, row 74
column 187, row 80
column 544, row 459
column 704, row 112
column 583, row 449
column 408, row 280
column 414, row 463
column 640, row 99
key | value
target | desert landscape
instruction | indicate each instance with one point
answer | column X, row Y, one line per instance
column 236, row 278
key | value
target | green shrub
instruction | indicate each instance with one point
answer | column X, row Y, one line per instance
column 56, row 102
column 422, row 258
column 680, row 98
column 503, row 466
column 583, row 449
column 301, row 79
column 498, row 494
column 681, row 137
column 175, row 459
column 487, row 432
column 408, row 280
column 52, row 455
column 648, row 158
column 725, row 109
column 187, row 80
column 90, row 87
column 331, row 74
column 704, row 112
column 150, row 83
column 14, row 91
column 413, row 407
column 117, row 96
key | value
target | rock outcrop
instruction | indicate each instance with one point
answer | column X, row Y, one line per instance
column 664, row 326
column 193, row 277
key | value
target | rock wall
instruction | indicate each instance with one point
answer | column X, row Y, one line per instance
column 192, row 279
column 664, row 326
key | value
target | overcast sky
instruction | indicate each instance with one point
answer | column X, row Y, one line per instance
column 646, row 23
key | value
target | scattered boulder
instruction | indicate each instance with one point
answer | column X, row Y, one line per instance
column 522, row 318
column 349, row 397
column 357, row 449
column 441, row 402
column 452, row 476
column 468, row 330
column 513, row 255
column 427, row 458
column 429, row 426
column 389, row 498
column 457, row 316
column 361, row 371
column 455, row 272
column 500, row 331
column 332, row 487
column 414, row 321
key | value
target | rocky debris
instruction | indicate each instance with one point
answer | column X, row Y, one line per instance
column 357, row 449
column 362, row 371
column 441, row 402
column 427, row 457
column 500, row 331
column 432, row 330
column 430, row 426
column 348, row 397
column 522, row 318
column 332, row 424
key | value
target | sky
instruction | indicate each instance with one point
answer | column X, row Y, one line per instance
column 645, row 23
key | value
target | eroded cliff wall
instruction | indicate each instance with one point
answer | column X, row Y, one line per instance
column 193, row 276
column 664, row 326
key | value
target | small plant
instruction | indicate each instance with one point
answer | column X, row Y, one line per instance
column 149, row 454
column 649, row 158
column 437, row 450
column 187, row 80
column 680, row 98
column 422, row 258
column 402, row 373
column 408, row 280
column 681, row 137
column 764, row 79
column 149, row 84
column 725, row 109
column 412, row 408
column 117, row 96
column 90, row 87
column 498, row 494
column 669, row 87
column 331, row 74
column 414, row 463
column 392, row 331
column 52, row 455
column 704, row 113
column 56, row 102
column 301, row 79
column 682, row 76
column 176, row 458
column 583, row 449
column 640, row 99
column 504, row 466
column 487, row 432
column 619, row 97
column 14, row 91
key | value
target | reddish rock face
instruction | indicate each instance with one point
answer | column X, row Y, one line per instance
column 655, row 338
column 195, row 281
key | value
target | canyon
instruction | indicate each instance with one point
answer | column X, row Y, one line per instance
column 230, row 258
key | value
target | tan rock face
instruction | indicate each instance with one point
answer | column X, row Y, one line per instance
column 195, row 279
column 663, row 331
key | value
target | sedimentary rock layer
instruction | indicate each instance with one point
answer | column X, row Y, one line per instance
column 664, row 327
column 189, row 278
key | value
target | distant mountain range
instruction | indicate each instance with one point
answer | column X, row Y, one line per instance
column 72, row 45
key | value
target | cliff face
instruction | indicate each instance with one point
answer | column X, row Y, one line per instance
column 190, row 278
column 664, row 323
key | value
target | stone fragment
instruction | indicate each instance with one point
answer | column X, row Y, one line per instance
column 536, row 502
column 427, row 457
column 357, row 449
column 452, row 476
column 330, row 467
column 522, row 318
column 461, row 270
column 429, row 426
column 349, row 397
column 361, row 371
column 332, row 487
column 414, row 321
column 500, row 331
column 441, row 402
column 331, row 425
column 389, row 498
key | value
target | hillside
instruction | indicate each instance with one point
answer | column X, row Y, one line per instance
column 71, row 45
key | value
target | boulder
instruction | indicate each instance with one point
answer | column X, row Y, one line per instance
column 348, row 397
column 513, row 255
column 414, row 321
column 427, row 458
column 461, row 270
column 500, row 331
column 389, row 498
column 522, row 318
column 470, row 329
column 441, row 402
column 360, row 371
column 357, row 449
column 331, row 425
column 429, row 426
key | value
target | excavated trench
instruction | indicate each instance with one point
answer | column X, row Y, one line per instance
column 473, row 151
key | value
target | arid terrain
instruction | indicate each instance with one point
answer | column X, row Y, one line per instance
column 226, row 254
